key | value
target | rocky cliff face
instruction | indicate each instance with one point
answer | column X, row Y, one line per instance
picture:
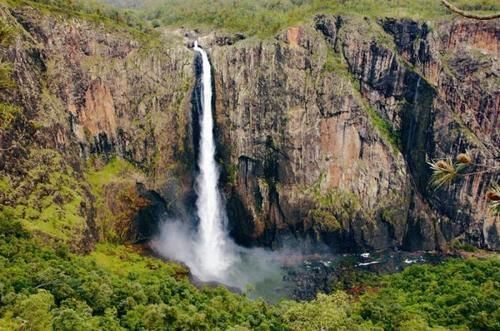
column 329, row 129
column 324, row 131
column 88, row 92
column 306, row 156
column 116, row 94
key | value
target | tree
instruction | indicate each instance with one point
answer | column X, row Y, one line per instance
column 33, row 312
column 326, row 312
column 73, row 315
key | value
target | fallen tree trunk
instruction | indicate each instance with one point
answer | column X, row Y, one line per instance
column 464, row 13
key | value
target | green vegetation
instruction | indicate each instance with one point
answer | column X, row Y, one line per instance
column 262, row 18
column 8, row 114
column 93, row 11
column 231, row 171
column 265, row 17
column 115, row 288
column 326, row 312
column 7, row 33
column 6, row 37
column 53, row 199
column 457, row 294
column 335, row 63
column 111, row 289
column 5, row 76
column 384, row 128
column 460, row 246
column 44, row 286
column 116, row 198
column 48, row 197
column 333, row 208
column 116, row 169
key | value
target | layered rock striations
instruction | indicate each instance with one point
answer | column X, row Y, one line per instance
column 329, row 129
column 89, row 92
column 305, row 156
column 324, row 132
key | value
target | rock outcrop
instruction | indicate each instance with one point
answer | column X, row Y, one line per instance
column 324, row 132
column 90, row 91
column 299, row 131
column 328, row 130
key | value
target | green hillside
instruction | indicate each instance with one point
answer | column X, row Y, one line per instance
column 115, row 288
column 261, row 17
column 253, row 17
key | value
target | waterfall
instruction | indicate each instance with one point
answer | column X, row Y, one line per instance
column 208, row 251
column 212, row 251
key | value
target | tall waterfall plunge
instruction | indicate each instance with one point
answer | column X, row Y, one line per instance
column 207, row 250
column 212, row 250
column 205, row 246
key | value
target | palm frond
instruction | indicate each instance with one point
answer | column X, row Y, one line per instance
column 443, row 173
column 493, row 196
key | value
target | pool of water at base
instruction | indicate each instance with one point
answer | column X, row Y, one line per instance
column 301, row 278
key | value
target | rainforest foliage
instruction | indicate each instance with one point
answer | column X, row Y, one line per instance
column 44, row 285
column 116, row 288
column 91, row 10
column 266, row 17
column 110, row 289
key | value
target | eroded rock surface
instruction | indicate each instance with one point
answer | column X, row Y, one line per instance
column 328, row 130
column 323, row 132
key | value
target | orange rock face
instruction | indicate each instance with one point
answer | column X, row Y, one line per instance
column 98, row 114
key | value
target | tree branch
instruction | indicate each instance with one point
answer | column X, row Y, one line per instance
column 464, row 13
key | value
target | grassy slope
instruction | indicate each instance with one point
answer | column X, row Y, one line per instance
column 44, row 188
column 265, row 17
column 94, row 11
column 113, row 288
column 253, row 17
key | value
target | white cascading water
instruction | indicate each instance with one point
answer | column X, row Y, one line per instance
column 209, row 252
column 212, row 247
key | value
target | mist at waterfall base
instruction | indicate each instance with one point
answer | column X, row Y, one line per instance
column 299, row 269
column 207, row 250
column 245, row 268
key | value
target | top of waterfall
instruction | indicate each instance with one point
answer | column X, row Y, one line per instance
column 196, row 43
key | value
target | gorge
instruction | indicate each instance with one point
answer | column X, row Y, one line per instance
column 323, row 132
column 278, row 160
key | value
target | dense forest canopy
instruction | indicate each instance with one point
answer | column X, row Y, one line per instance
column 263, row 16
column 114, row 288
column 259, row 17
column 45, row 284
